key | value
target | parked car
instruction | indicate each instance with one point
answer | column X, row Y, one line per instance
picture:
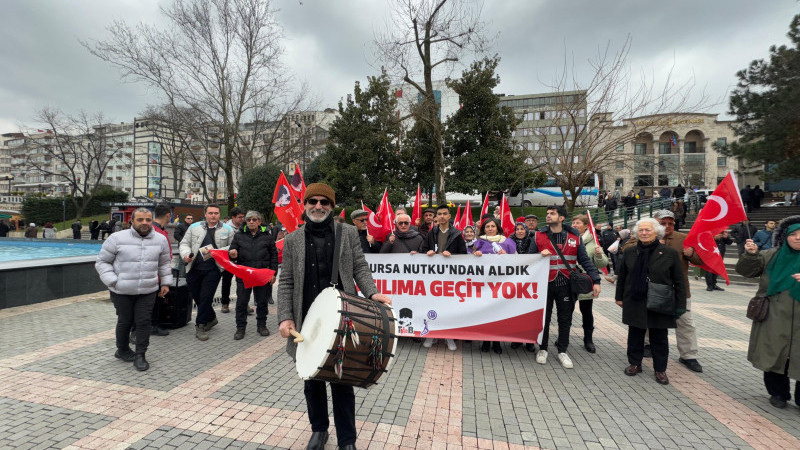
column 774, row 204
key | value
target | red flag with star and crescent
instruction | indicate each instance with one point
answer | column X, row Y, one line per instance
column 287, row 209
column 250, row 277
column 724, row 207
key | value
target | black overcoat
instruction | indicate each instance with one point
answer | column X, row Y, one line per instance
column 665, row 268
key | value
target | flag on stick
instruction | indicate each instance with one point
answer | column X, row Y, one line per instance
column 484, row 208
column 466, row 216
column 250, row 277
column 287, row 209
column 506, row 218
column 298, row 184
column 416, row 210
column 594, row 235
column 724, row 207
column 457, row 221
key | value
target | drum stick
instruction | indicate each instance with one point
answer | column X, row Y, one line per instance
column 297, row 336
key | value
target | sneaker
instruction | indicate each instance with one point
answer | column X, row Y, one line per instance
column 158, row 331
column 200, row 332
column 125, row 354
column 239, row 335
column 566, row 363
column 717, row 288
column 225, row 308
column 428, row 342
column 777, row 401
column 211, row 324
column 263, row 331
column 541, row 357
column 451, row 344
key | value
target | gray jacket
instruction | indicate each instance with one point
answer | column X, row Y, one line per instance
column 194, row 238
column 353, row 270
column 130, row 264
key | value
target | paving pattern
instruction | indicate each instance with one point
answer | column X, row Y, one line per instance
column 61, row 387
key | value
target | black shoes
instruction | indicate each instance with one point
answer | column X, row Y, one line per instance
column 348, row 447
column 270, row 301
column 777, row 401
column 125, row 354
column 225, row 308
column 692, row 364
column 239, row 335
column 318, row 440
column 158, row 331
column 485, row 346
column 717, row 288
column 709, row 289
column 264, row 331
column 497, row 348
column 589, row 346
column 515, row 345
column 530, row 347
column 140, row 363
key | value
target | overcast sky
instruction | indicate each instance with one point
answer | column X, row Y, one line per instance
column 329, row 44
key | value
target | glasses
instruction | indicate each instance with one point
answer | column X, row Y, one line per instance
column 253, row 219
column 359, row 220
column 404, row 223
column 314, row 201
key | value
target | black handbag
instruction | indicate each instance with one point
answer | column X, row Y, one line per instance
column 757, row 308
column 579, row 282
column 660, row 298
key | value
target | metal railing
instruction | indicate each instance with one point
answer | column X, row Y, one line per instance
column 644, row 208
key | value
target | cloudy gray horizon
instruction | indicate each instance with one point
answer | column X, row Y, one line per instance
column 329, row 45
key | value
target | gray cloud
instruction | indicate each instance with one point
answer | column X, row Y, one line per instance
column 329, row 44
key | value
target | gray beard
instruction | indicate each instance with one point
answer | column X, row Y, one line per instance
column 315, row 220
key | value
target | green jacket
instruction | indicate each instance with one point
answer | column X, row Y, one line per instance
column 777, row 338
column 599, row 261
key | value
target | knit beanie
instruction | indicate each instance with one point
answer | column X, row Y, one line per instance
column 322, row 189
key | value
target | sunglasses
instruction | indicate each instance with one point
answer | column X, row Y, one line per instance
column 404, row 223
column 359, row 220
column 314, row 201
column 253, row 219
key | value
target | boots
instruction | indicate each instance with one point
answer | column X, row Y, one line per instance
column 140, row 363
column 239, row 335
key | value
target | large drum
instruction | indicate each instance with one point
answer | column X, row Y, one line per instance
column 346, row 339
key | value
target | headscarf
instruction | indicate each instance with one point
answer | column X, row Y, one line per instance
column 524, row 242
column 783, row 265
column 471, row 243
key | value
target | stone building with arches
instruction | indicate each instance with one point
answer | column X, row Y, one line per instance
column 667, row 149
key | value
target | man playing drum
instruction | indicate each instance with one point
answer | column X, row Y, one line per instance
column 306, row 271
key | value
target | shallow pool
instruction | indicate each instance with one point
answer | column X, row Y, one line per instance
column 20, row 250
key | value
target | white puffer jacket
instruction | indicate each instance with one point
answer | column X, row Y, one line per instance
column 196, row 234
column 130, row 264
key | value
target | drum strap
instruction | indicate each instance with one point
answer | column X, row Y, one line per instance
column 337, row 251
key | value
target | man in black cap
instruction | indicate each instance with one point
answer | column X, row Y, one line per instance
column 368, row 242
column 427, row 222
column 532, row 222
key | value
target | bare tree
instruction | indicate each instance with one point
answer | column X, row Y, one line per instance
column 218, row 58
column 77, row 152
column 586, row 126
column 431, row 36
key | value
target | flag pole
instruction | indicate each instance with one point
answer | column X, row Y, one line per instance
column 739, row 193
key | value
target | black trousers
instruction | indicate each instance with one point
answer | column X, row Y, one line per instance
column 565, row 306
column 227, row 281
column 588, row 318
column 260, row 294
column 711, row 278
column 344, row 409
column 780, row 385
column 659, row 344
column 203, row 285
column 133, row 309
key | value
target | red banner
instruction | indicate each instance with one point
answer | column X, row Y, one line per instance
column 287, row 209
column 416, row 213
column 506, row 218
column 250, row 277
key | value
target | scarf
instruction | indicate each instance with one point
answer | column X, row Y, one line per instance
column 783, row 265
column 499, row 238
column 410, row 234
column 642, row 269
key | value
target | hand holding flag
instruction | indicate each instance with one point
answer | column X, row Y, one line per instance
column 250, row 277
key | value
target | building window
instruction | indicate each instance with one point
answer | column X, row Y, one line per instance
column 620, row 147
column 722, row 161
column 664, row 148
column 619, row 182
column 690, row 147
column 620, row 165
column 722, row 142
column 639, row 149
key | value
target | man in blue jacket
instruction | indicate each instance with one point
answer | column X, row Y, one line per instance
column 763, row 238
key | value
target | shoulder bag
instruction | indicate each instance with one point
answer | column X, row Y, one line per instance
column 660, row 298
column 579, row 282
column 757, row 308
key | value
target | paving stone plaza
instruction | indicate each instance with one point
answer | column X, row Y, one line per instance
column 61, row 387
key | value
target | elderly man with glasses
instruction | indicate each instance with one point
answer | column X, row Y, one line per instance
column 403, row 239
column 307, row 270
column 368, row 242
column 253, row 247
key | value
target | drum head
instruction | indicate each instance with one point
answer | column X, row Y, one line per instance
column 319, row 332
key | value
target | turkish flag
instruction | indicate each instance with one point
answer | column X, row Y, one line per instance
column 457, row 221
column 594, row 235
column 380, row 224
column 298, row 184
column 250, row 277
column 416, row 211
column 724, row 207
column 506, row 218
column 341, row 214
column 466, row 216
column 484, row 208
column 289, row 212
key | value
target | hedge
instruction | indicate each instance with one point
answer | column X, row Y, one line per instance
column 48, row 209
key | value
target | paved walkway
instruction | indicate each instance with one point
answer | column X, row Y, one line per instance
column 61, row 387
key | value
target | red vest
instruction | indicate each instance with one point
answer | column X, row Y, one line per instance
column 569, row 249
